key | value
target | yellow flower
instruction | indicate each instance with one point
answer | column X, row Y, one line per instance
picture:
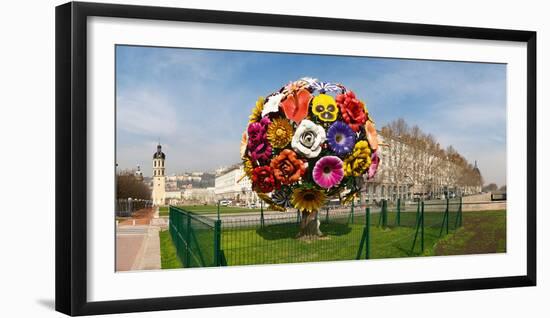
column 247, row 167
column 358, row 162
column 324, row 107
column 308, row 199
column 257, row 111
column 280, row 132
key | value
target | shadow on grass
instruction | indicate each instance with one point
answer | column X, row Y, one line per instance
column 286, row 231
column 335, row 229
column 278, row 231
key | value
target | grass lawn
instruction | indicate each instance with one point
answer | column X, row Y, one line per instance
column 168, row 256
column 277, row 244
column 208, row 209
column 163, row 211
column 483, row 232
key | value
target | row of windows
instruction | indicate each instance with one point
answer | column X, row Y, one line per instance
column 160, row 163
column 158, row 172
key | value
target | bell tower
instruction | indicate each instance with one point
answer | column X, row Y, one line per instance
column 159, row 191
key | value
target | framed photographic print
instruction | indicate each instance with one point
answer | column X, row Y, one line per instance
column 210, row 158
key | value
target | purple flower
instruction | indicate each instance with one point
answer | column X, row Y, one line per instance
column 260, row 152
column 328, row 171
column 341, row 138
column 258, row 146
column 257, row 132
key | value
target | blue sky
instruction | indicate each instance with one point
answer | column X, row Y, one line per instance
column 197, row 102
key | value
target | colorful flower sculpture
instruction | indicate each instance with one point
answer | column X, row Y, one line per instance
column 309, row 141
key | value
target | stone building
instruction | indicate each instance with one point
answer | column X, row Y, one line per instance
column 407, row 172
column 232, row 184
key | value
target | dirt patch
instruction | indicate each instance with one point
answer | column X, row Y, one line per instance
column 481, row 234
column 141, row 217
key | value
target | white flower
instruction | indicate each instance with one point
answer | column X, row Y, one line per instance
column 308, row 138
column 272, row 104
column 309, row 80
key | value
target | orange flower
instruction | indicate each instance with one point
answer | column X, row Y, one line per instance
column 296, row 105
column 372, row 135
column 287, row 168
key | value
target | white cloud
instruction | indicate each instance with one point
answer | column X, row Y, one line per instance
column 143, row 112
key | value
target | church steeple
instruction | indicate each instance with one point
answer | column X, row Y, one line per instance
column 159, row 154
column 138, row 174
column 476, row 169
column 158, row 176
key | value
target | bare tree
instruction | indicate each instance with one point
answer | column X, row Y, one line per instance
column 418, row 157
column 491, row 187
column 128, row 186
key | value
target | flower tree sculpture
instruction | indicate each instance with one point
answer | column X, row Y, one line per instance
column 306, row 143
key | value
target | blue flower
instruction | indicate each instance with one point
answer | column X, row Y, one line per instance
column 341, row 138
column 282, row 197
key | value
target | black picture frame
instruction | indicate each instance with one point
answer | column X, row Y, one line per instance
column 71, row 157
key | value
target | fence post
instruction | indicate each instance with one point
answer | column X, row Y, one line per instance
column 385, row 213
column 170, row 222
column 262, row 214
column 460, row 213
column 218, row 209
column 326, row 217
column 217, row 243
column 447, row 220
column 417, row 211
column 367, row 243
column 187, row 241
column 398, row 218
column 352, row 209
column 422, row 233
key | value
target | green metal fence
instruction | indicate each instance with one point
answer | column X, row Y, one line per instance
column 272, row 240
column 196, row 238
column 351, row 232
column 440, row 217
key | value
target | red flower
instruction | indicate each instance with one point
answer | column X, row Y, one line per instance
column 352, row 109
column 263, row 179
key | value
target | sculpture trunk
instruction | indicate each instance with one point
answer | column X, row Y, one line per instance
column 309, row 225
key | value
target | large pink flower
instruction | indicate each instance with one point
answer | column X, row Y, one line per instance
column 328, row 171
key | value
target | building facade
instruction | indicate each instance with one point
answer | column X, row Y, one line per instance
column 406, row 172
column 231, row 183
column 159, row 178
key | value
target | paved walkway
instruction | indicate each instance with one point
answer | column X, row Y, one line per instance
column 137, row 243
column 129, row 242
